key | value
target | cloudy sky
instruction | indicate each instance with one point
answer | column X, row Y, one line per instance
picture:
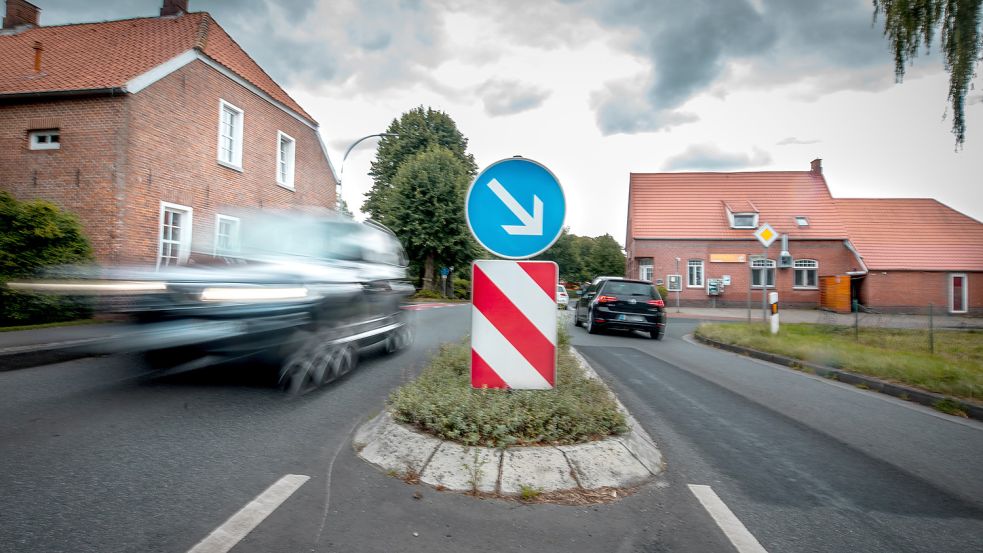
column 597, row 89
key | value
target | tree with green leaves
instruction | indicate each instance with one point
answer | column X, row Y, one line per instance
column 415, row 131
column 909, row 23
column 426, row 211
column 581, row 258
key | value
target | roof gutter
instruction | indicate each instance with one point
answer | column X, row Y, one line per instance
column 112, row 91
column 859, row 257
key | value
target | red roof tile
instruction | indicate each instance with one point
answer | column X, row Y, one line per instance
column 693, row 205
column 106, row 55
column 915, row 234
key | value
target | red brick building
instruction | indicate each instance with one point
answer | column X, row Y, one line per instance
column 151, row 130
column 700, row 226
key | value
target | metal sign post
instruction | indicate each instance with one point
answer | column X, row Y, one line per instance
column 766, row 235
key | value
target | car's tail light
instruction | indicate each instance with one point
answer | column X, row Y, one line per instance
column 656, row 303
column 606, row 299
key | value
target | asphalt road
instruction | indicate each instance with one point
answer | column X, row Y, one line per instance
column 99, row 455
column 806, row 464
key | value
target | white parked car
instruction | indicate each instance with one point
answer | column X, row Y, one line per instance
column 562, row 299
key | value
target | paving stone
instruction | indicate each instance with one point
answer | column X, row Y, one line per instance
column 397, row 448
column 453, row 466
column 639, row 444
column 606, row 463
column 544, row 468
column 368, row 431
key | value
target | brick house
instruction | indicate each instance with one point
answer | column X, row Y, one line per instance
column 152, row 130
column 700, row 226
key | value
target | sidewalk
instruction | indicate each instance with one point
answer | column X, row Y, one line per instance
column 886, row 320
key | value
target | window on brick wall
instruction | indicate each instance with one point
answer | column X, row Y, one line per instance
column 175, row 234
column 285, row 159
column 48, row 139
column 226, row 234
column 763, row 271
column 230, row 135
column 694, row 274
column 806, row 273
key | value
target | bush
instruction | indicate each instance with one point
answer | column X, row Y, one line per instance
column 462, row 288
column 35, row 235
column 442, row 402
column 425, row 294
column 663, row 291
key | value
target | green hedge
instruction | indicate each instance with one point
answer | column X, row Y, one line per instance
column 35, row 235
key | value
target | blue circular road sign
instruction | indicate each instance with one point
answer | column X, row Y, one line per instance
column 515, row 208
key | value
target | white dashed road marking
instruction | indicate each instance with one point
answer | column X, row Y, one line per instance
column 735, row 531
column 226, row 536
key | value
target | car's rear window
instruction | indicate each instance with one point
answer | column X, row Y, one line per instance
column 621, row 288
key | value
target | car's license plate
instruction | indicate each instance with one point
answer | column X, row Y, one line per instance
column 631, row 318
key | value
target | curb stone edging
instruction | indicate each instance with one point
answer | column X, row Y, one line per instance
column 625, row 461
column 901, row 391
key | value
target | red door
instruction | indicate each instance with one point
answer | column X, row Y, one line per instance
column 958, row 293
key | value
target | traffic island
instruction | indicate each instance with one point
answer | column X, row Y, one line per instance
column 602, row 469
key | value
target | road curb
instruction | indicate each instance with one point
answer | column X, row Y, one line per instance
column 25, row 357
column 617, row 462
column 900, row 391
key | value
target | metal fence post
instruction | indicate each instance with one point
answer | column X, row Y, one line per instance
column 856, row 324
column 931, row 328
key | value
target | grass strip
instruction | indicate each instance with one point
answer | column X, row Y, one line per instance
column 77, row 322
column 896, row 355
column 442, row 402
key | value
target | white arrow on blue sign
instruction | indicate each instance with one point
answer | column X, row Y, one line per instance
column 515, row 208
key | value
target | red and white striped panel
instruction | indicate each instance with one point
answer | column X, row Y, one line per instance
column 513, row 324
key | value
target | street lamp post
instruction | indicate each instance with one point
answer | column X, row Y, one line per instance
column 341, row 176
column 680, row 284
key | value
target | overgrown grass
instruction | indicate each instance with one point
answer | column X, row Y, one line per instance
column 898, row 355
column 442, row 402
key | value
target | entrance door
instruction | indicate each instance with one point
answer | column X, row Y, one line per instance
column 957, row 293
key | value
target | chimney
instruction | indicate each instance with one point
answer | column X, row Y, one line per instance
column 37, row 56
column 817, row 166
column 21, row 12
column 174, row 7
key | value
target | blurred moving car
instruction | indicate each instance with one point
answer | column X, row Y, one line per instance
column 562, row 298
column 619, row 303
column 305, row 290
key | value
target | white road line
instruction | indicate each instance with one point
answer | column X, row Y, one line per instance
column 738, row 535
column 226, row 536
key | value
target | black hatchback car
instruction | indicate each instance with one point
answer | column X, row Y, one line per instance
column 622, row 304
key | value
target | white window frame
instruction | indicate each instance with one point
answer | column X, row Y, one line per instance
column 700, row 283
column 801, row 220
column 965, row 301
column 805, row 265
column 768, row 266
column 237, row 225
column 646, row 271
column 184, row 242
column 34, row 137
column 288, row 182
column 733, row 218
column 236, row 138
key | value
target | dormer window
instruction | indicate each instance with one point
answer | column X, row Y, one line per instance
column 801, row 220
column 744, row 220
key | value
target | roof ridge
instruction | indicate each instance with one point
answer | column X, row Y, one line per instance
column 103, row 22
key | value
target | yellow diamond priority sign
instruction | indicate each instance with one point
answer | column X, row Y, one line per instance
column 765, row 234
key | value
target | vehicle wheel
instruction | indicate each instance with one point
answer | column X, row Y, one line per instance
column 591, row 327
column 655, row 335
column 576, row 319
column 298, row 373
column 349, row 359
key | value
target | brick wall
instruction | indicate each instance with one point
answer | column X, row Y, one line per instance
column 913, row 291
column 121, row 156
column 173, row 137
column 81, row 176
column 832, row 255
